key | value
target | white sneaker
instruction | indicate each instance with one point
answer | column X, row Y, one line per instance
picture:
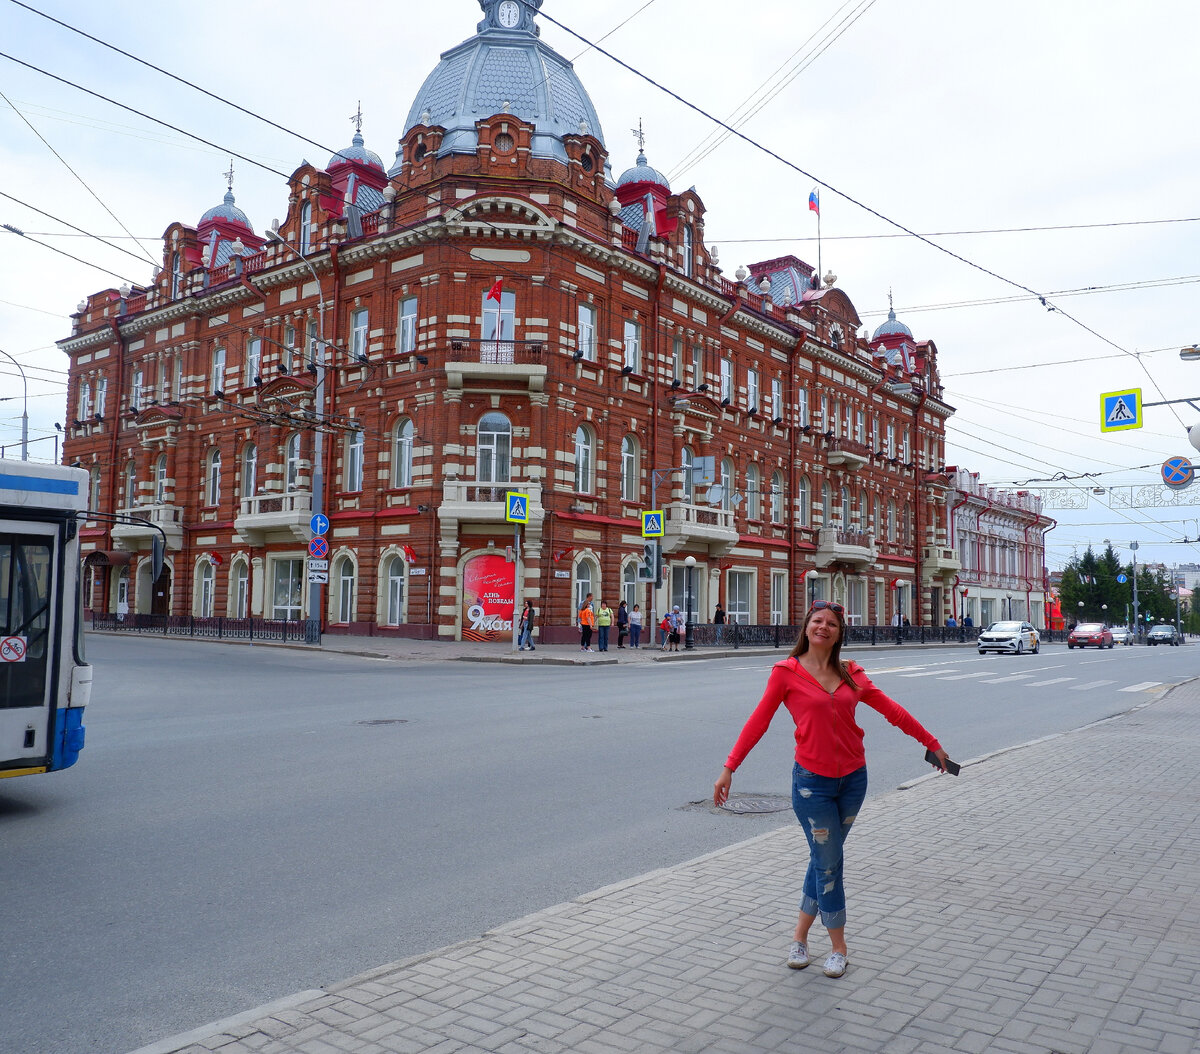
column 798, row 956
column 835, row 965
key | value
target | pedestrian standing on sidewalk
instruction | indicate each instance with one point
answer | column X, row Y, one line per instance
column 622, row 623
column 719, row 621
column 635, row 627
column 604, row 620
column 586, row 621
column 829, row 778
column 664, row 631
column 525, row 627
column 676, row 627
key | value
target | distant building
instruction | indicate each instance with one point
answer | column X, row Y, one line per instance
column 495, row 313
column 999, row 538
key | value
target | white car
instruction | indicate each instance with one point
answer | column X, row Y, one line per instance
column 1011, row 637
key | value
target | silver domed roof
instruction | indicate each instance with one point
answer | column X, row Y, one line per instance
column 504, row 70
column 356, row 152
column 228, row 211
column 892, row 328
column 643, row 173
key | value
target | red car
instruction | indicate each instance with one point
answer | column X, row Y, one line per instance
column 1090, row 633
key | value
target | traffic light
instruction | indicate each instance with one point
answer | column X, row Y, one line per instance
column 650, row 568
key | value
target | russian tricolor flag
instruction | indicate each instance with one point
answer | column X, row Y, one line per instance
column 814, row 203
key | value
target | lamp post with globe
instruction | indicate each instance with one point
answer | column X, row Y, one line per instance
column 689, row 632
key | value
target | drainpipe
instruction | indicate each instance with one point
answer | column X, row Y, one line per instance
column 918, row 546
column 953, row 537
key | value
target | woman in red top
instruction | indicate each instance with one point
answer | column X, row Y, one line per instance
column 829, row 780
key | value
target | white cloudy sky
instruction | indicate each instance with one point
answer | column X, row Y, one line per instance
column 942, row 115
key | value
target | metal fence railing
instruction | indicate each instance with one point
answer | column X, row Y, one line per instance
column 736, row 635
column 306, row 631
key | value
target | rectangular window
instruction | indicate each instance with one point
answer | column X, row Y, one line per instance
column 677, row 360
column 778, row 597
column 698, row 377
column 890, row 448
column 726, row 381
column 802, row 406
column 824, row 421
column 633, row 345
column 218, row 370
column 739, row 587
column 253, row 361
column 587, row 332
column 776, row 398
column 313, row 345
column 406, row 337
column 904, row 452
column 136, row 391
column 101, row 395
column 177, row 381
column 860, row 426
column 242, row 592
column 752, row 390
column 346, row 592
column 85, row 401
column 358, row 333
column 354, row 462
column 874, row 434
column 499, row 322
column 287, row 589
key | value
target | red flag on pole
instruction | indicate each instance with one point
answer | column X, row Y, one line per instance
column 495, row 291
column 410, row 554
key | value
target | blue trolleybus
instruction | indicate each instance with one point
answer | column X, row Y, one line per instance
column 44, row 681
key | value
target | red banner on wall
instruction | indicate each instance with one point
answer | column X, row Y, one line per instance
column 488, row 596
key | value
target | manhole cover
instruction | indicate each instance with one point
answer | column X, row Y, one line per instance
column 757, row 803
column 384, row 721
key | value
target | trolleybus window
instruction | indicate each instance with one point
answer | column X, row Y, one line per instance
column 25, row 579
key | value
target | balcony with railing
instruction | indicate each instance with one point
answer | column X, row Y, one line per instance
column 274, row 517
column 476, row 501
column 471, row 362
column 837, row 546
column 938, row 560
column 140, row 535
column 692, row 526
column 847, row 454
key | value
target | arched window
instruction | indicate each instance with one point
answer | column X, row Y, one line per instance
column 291, row 457
column 753, row 493
column 353, row 478
column 906, row 535
column 249, row 470
column 804, row 502
column 585, row 453
column 863, row 509
column 586, row 581
column 493, row 449
column 205, row 585
column 629, row 584
column 826, row 504
column 631, row 474
column 305, row 228
column 176, row 277
column 777, row 497
column 689, row 486
column 239, row 589
column 342, row 582
column 727, row 481
column 160, row 480
column 402, row 454
column 395, row 576
column 129, row 485
column 94, row 498
column 688, row 249
column 212, row 478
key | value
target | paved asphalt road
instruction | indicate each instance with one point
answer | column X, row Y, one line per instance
column 246, row 823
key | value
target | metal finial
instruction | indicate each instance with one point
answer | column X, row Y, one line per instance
column 357, row 118
column 229, row 175
column 640, row 136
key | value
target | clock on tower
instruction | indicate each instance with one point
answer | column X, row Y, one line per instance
column 509, row 14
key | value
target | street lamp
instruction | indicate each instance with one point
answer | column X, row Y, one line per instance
column 25, row 411
column 811, row 575
column 318, row 476
column 1080, row 619
column 689, row 634
column 1104, row 614
column 1009, row 596
column 962, row 609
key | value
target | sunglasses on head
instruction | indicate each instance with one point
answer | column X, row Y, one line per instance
column 819, row 605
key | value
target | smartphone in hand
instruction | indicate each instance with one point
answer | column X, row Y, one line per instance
column 952, row 767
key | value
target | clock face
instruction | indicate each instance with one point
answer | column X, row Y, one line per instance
column 509, row 13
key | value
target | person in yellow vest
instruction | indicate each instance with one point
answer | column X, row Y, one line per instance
column 604, row 621
column 586, row 621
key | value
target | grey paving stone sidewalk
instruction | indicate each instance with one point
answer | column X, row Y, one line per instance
column 1046, row 900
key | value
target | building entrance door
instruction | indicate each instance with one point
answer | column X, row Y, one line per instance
column 160, row 593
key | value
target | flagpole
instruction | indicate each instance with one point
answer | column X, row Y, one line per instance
column 818, row 245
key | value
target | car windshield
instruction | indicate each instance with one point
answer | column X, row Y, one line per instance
column 1004, row 627
column 1089, row 627
column 1163, row 629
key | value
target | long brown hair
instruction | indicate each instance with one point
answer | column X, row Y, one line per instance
column 836, row 655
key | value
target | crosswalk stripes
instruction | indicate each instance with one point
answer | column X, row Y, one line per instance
column 944, row 673
column 1052, row 680
column 1141, row 687
column 1090, row 684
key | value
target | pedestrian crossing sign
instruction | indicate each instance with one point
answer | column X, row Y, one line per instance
column 1121, row 410
column 652, row 524
column 516, row 507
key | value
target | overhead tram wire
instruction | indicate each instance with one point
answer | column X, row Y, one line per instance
column 854, row 201
column 87, row 263
column 80, row 230
column 82, row 182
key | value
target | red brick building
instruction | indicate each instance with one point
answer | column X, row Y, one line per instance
column 496, row 313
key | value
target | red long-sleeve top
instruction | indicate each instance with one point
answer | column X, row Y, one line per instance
column 828, row 739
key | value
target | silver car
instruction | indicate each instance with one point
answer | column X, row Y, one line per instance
column 1013, row 638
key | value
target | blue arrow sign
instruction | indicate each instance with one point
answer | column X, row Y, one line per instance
column 1122, row 579
column 318, row 524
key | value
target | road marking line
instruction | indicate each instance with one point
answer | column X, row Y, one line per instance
column 1142, row 687
column 1090, row 684
column 927, row 673
column 1053, row 680
column 964, row 676
column 1010, row 677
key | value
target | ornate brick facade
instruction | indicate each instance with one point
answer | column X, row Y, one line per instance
column 498, row 317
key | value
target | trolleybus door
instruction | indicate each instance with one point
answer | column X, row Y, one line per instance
column 29, row 598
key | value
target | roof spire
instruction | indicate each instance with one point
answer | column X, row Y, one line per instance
column 640, row 136
column 357, row 118
column 229, row 176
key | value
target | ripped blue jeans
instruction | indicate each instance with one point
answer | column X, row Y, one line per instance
column 826, row 808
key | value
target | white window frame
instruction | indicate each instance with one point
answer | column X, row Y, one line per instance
column 778, row 597
column 860, row 426
column 689, row 250
column 726, row 368
column 130, row 485
column 241, row 589
column 585, row 460
column 406, row 330
column 206, row 588
column 585, row 334
column 493, row 450
column 85, row 401
column 688, row 460
column 752, row 391
column 360, row 329
column 632, row 345
column 253, row 360
column 218, row 370
column 212, row 479
column 396, row 577
column 802, row 406
column 728, row 477
column 306, row 228
column 804, row 501
column 345, row 579
column 753, row 493
column 293, row 582
column 101, row 395
column 160, row 479
column 739, row 596
column 402, row 454
column 777, row 497
column 249, row 470
column 355, row 443
column 291, row 460
column 630, row 474
column 136, row 389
